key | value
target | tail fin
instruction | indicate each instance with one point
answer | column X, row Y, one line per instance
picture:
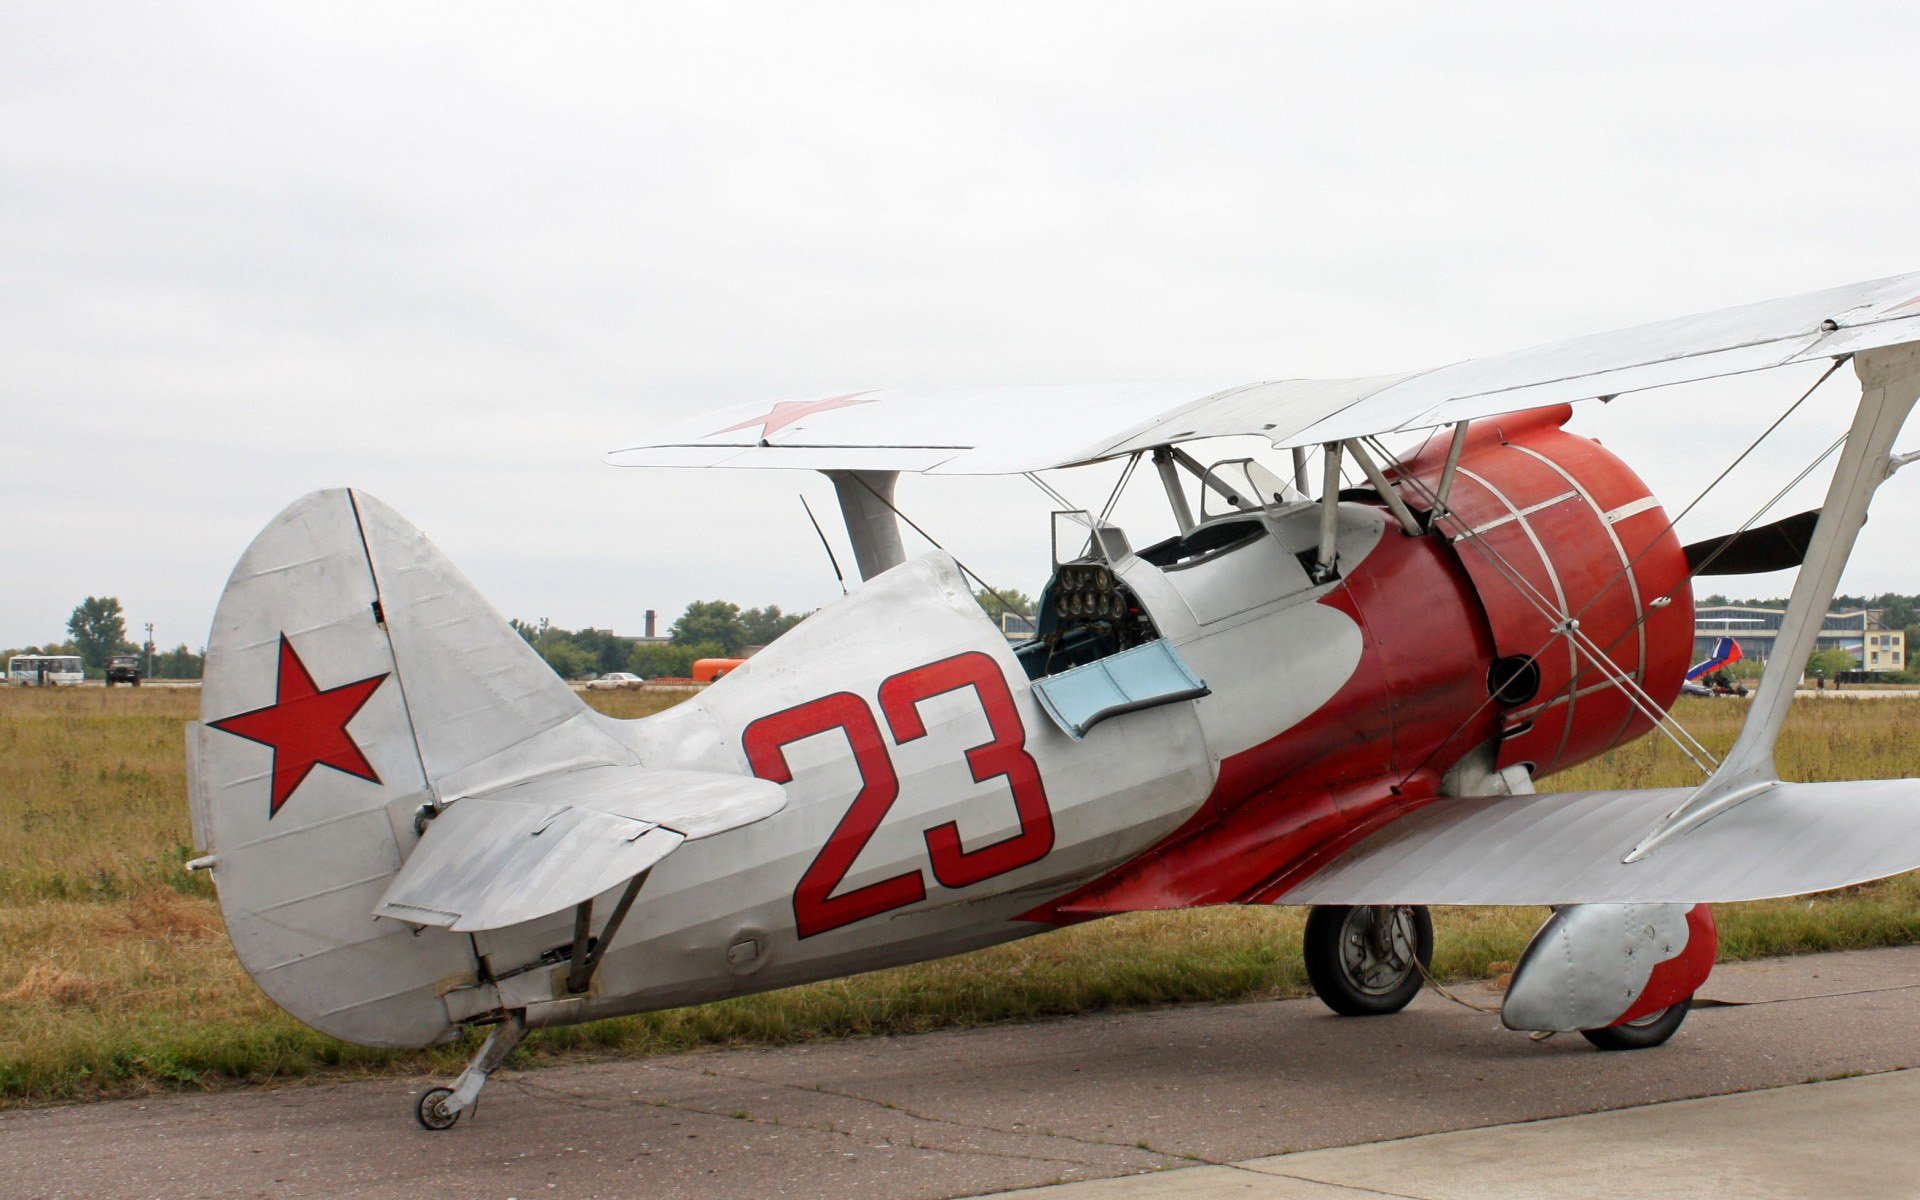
column 355, row 684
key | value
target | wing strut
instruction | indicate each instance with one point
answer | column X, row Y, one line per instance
column 1324, row 565
column 1889, row 386
column 866, row 503
column 1163, row 462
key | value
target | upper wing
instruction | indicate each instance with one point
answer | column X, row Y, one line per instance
column 987, row 431
column 1567, row 847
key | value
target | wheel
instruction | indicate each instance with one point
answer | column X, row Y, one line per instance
column 1647, row 1032
column 1365, row 960
column 431, row 1109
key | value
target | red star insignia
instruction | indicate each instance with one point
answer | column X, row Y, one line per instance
column 1905, row 304
column 306, row 727
column 786, row 412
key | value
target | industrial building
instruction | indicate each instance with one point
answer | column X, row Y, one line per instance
column 1860, row 633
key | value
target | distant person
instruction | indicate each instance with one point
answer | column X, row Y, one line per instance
column 40, row 670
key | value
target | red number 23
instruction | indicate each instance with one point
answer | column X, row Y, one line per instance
column 815, row 908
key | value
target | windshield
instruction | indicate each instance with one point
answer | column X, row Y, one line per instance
column 1079, row 536
column 1241, row 485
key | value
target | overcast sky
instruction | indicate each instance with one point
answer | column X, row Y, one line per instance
column 453, row 254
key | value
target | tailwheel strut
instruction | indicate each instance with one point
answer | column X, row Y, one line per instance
column 439, row 1107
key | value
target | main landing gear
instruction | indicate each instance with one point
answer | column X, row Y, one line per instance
column 1368, row 960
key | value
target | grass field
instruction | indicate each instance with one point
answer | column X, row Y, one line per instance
column 116, row 976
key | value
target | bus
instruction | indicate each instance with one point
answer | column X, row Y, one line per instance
column 39, row 670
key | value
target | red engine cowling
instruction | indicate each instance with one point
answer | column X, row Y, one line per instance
column 1545, row 521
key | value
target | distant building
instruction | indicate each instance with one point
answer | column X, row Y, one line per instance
column 1860, row 633
column 1017, row 627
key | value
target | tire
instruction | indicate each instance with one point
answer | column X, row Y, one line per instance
column 1644, row 1034
column 428, row 1114
column 1346, row 965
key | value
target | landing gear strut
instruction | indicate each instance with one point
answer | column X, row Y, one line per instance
column 438, row 1108
column 1368, row 960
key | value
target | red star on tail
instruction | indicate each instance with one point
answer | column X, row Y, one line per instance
column 306, row 727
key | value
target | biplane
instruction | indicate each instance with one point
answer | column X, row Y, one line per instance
column 1335, row 684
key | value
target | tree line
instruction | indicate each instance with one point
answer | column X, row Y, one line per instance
column 707, row 629
column 97, row 631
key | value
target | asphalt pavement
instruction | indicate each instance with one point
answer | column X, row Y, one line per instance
column 1179, row 1092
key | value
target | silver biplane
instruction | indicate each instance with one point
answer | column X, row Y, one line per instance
column 1308, row 694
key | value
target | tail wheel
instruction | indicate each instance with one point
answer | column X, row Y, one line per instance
column 1644, row 1034
column 431, row 1111
column 1368, row 960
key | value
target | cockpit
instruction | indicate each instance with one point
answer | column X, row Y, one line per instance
column 1100, row 648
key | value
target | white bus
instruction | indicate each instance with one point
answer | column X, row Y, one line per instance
column 38, row 670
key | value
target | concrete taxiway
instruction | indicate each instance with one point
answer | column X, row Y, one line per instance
column 1436, row 1102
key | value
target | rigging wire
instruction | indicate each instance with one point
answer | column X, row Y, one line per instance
column 1695, row 572
column 825, row 545
column 1571, row 687
column 1052, row 493
column 969, row 571
column 1562, row 625
column 1120, row 485
column 1717, row 480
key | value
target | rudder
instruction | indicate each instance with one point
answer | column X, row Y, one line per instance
column 344, row 635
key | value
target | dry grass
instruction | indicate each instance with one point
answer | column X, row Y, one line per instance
column 117, row 978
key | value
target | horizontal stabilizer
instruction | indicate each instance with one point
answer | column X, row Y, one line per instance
column 1779, row 546
column 540, row 847
column 1567, row 847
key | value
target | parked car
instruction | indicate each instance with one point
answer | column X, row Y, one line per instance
column 615, row 680
column 123, row 668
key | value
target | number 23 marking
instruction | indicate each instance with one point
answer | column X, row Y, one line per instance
column 815, row 908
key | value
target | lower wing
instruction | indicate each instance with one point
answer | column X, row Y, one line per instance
column 1568, row 847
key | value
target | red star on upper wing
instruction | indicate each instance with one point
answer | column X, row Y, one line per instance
column 306, row 727
column 786, row 412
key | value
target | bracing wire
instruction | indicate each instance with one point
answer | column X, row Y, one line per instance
column 825, row 545
column 1052, row 493
column 1120, row 485
column 1670, row 525
column 965, row 569
column 1662, row 719
column 1561, row 625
